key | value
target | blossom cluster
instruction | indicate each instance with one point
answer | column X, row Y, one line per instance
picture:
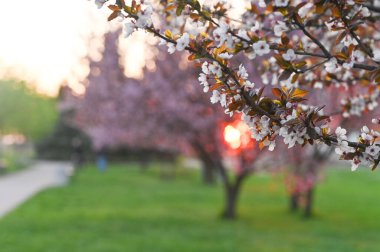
column 357, row 105
column 300, row 46
column 371, row 154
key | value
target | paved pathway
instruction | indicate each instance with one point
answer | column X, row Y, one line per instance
column 18, row 187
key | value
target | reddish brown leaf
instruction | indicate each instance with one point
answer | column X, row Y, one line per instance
column 114, row 7
column 277, row 92
column 299, row 93
column 113, row 15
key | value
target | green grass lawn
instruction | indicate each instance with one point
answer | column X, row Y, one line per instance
column 127, row 210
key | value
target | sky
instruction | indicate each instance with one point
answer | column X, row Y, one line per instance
column 44, row 43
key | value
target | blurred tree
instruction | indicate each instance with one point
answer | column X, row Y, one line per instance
column 176, row 106
column 305, row 164
column 305, row 167
column 59, row 144
column 24, row 111
column 164, row 112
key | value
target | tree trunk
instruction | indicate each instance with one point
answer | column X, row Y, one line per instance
column 231, row 197
column 294, row 201
column 309, row 196
column 208, row 174
column 229, row 211
column 208, row 165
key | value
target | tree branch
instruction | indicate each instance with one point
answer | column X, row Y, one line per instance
column 316, row 41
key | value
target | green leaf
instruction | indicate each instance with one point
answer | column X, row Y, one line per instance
column 180, row 9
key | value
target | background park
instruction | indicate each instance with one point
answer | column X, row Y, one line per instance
column 111, row 144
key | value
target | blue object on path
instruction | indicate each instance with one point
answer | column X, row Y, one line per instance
column 101, row 162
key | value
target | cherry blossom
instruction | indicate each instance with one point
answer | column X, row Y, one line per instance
column 335, row 44
column 261, row 48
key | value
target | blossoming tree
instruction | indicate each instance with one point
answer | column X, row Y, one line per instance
column 164, row 111
column 186, row 115
column 303, row 45
column 305, row 165
column 97, row 111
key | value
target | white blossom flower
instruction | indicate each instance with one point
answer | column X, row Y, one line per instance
column 375, row 133
column 225, row 55
column 289, row 55
column 203, row 81
column 304, row 10
column 162, row 42
column 120, row 17
column 290, row 139
column 194, row 28
column 343, row 147
column 205, row 68
column 237, row 97
column 223, row 100
column 348, row 65
column 265, row 79
column 365, row 134
column 330, row 25
column 365, row 12
column 290, row 117
column 274, row 81
column 242, row 73
column 215, row 97
column 100, row 3
column 348, row 40
column 271, row 144
column 259, row 128
column 144, row 18
column 365, row 129
column 376, row 54
column 279, row 28
column 256, row 28
column 361, row 103
column 372, row 105
column 264, row 120
column 183, row 42
column 341, row 133
column 357, row 56
column 262, row 3
column 376, row 121
column 171, row 48
column 243, row 34
column 310, row 76
column 355, row 163
column 318, row 85
column 372, row 150
column 221, row 33
column 215, row 69
column 302, row 135
column 332, row 66
column 248, row 85
column 293, row 137
column 251, row 55
column 129, row 28
column 281, row 3
column 261, row 48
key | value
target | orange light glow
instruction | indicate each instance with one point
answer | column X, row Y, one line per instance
column 237, row 135
column 232, row 136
